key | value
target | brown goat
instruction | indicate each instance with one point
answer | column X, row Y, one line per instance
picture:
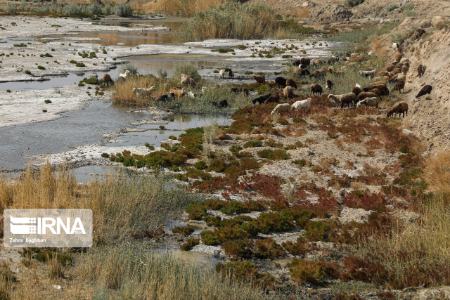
column 400, row 109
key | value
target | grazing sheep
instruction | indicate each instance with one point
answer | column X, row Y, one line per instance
column 220, row 104
column 344, row 100
column 288, row 92
column 291, row 83
column 261, row 99
column 372, row 101
column 316, row 89
column 400, row 109
column 280, row 81
column 191, row 95
column 303, row 72
column 357, row 89
column 143, row 92
column 330, row 84
column 281, row 108
column 379, row 88
column 187, row 80
column 424, row 91
column 363, row 95
column 177, row 92
column 399, row 85
column 261, row 79
column 301, row 104
column 370, row 73
column 302, row 61
column 421, row 70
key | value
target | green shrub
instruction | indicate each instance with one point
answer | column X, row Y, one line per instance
column 253, row 144
column 211, row 238
column 184, row 230
column 303, row 271
column 196, row 211
column 238, row 248
column 318, row 231
column 124, row 10
column 267, row 248
column 276, row 154
column 233, row 20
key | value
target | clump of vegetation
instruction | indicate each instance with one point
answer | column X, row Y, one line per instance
column 274, row 154
column 132, row 272
column 415, row 254
column 184, row 230
column 304, row 271
column 184, row 8
column 240, row 21
column 93, row 10
column 189, row 244
column 125, row 207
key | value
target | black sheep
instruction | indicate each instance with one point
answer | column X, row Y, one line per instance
column 316, row 89
column 280, row 81
column 424, row 91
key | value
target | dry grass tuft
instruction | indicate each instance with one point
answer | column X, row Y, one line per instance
column 130, row 272
column 416, row 254
column 123, row 207
column 123, row 90
column 437, row 172
column 182, row 8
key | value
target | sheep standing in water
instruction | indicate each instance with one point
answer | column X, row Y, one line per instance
column 400, row 109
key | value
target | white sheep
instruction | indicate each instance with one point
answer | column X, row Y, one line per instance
column 373, row 101
column 280, row 108
column 301, row 104
column 288, row 91
column 125, row 74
